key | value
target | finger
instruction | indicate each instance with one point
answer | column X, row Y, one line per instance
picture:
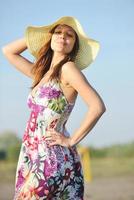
column 48, row 138
column 51, row 130
column 54, row 132
column 53, row 143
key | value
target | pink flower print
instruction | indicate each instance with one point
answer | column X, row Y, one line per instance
column 34, row 145
column 32, row 122
column 34, row 154
column 42, row 188
column 35, row 107
column 50, row 167
column 21, row 179
column 53, row 123
column 48, row 92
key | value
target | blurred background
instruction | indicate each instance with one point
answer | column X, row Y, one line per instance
column 110, row 144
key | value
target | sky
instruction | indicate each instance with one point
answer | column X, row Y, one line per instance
column 111, row 22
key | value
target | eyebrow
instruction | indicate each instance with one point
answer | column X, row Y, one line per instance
column 70, row 30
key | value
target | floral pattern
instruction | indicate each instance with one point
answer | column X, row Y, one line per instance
column 43, row 172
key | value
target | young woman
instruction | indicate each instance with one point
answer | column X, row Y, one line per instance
column 49, row 165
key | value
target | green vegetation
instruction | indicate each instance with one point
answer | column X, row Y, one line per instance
column 115, row 151
column 115, row 160
column 9, row 146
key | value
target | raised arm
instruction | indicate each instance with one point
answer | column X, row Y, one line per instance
column 12, row 52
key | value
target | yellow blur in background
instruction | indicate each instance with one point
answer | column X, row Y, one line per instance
column 85, row 159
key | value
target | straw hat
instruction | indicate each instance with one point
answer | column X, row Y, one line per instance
column 37, row 36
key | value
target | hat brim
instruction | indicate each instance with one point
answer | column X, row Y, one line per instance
column 38, row 36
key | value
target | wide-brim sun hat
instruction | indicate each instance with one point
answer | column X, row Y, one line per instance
column 38, row 36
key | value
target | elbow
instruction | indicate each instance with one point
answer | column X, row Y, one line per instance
column 4, row 50
column 101, row 109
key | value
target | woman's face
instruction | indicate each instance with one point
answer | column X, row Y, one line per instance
column 63, row 39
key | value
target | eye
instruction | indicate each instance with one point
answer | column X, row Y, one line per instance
column 70, row 35
column 57, row 32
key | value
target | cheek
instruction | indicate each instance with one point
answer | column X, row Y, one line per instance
column 54, row 37
column 52, row 42
column 71, row 44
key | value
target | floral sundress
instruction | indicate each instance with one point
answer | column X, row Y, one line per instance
column 45, row 172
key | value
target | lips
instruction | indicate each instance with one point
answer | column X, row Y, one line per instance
column 60, row 42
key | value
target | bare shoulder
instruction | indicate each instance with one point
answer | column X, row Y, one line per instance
column 79, row 82
column 71, row 72
column 70, row 65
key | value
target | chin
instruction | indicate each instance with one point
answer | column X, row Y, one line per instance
column 59, row 51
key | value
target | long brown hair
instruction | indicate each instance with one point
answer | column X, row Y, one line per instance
column 43, row 62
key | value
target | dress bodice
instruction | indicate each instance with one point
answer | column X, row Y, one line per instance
column 50, row 107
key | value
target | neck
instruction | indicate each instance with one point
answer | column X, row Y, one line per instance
column 57, row 57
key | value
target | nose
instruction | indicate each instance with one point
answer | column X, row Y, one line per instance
column 63, row 35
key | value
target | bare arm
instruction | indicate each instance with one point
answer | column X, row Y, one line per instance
column 89, row 95
column 77, row 80
column 12, row 52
